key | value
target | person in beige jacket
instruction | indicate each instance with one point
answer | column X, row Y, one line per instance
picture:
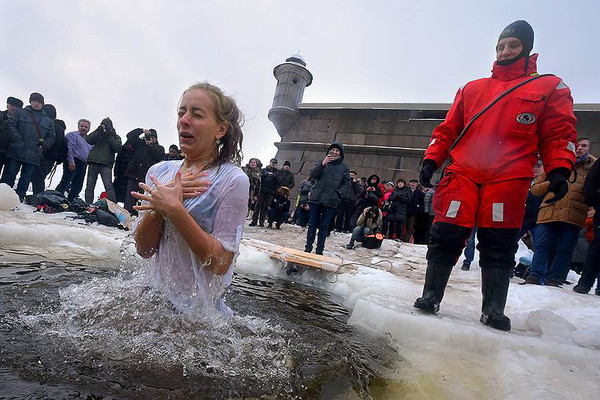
column 368, row 223
column 558, row 223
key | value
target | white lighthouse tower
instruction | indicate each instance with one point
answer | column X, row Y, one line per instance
column 292, row 77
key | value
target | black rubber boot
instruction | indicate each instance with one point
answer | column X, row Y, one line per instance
column 494, row 287
column 436, row 279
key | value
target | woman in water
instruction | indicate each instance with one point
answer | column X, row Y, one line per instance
column 195, row 227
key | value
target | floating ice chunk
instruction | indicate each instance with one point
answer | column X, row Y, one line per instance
column 551, row 326
column 254, row 261
column 588, row 337
column 8, row 198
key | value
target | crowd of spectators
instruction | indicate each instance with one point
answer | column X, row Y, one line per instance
column 402, row 207
column 404, row 212
column 33, row 143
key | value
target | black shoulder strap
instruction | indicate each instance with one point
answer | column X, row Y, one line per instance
column 491, row 104
column 36, row 125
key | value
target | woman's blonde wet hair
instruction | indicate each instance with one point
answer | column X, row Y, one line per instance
column 226, row 110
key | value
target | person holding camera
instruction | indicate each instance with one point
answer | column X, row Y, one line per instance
column 368, row 223
column 146, row 151
column 279, row 210
column 332, row 178
column 372, row 190
column 100, row 161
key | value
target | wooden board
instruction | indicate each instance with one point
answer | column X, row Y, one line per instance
column 295, row 256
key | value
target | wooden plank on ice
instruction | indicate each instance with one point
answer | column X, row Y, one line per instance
column 295, row 256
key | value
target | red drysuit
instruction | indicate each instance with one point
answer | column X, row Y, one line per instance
column 490, row 168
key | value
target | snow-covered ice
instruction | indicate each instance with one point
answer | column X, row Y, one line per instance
column 553, row 351
column 8, row 197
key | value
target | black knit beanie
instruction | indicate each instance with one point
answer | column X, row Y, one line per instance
column 524, row 32
column 35, row 96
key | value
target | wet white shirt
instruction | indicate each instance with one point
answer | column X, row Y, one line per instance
column 220, row 211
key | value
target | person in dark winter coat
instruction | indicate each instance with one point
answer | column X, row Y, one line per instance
column 429, row 211
column 591, row 265
column 532, row 205
column 286, row 177
column 122, row 161
column 57, row 153
column 100, row 161
column 269, row 183
column 346, row 207
column 302, row 209
column 399, row 199
column 371, row 191
column 31, row 133
column 332, row 178
column 415, row 209
column 279, row 210
column 146, row 153
column 12, row 103
column 252, row 170
column 388, row 188
column 174, row 153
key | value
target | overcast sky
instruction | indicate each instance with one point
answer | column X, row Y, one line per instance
column 131, row 60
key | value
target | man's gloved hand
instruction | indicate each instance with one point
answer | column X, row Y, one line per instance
column 558, row 184
column 429, row 167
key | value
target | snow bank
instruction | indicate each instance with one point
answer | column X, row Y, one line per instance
column 8, row 198
column 552, row 352
column 56, row 238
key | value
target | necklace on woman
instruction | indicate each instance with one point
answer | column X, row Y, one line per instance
column 195, row 167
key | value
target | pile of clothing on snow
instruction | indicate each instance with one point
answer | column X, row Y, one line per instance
column 103, row 211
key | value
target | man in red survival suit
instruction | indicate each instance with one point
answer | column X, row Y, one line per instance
column 490, row 168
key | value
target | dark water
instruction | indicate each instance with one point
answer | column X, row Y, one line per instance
column 95, row 333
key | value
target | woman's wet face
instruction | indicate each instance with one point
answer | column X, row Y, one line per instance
column 197, row 124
